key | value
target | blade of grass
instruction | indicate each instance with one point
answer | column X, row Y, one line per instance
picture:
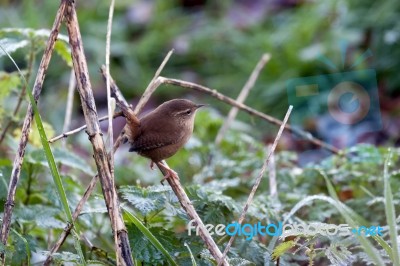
column 357, row 218
column 354, row 220
column 191, row 254
column 390, row 212
column 149, row 235
column 28, row 250
column 50, row 159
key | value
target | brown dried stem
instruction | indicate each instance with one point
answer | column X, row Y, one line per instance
column 37, row 88
column 95, row 136
column 258, row 180
column 153, row 85
column 228, row 100
column 191, row 212
column 242, row 97
column 110, row 109
column 70, row 101
column 81, row 128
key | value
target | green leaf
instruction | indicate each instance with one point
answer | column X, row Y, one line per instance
column 41, row 216
column 13, row 39
column 34, row 136
column 61, row 156
column 63, row 50
column 282, row 248
column 22, row 247
column 12, row 45
column 240, row 262
column 31, row 33
column 146, row 200
column 140, row 238
column 7, row 249
column 65, row 257
column 8, row 82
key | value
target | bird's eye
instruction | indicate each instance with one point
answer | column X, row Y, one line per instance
column 188, row 112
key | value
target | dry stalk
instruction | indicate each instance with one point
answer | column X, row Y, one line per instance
column 273, row 185
column 95, row 136
column 251, row 111
column 81, row 128
column 153, row 85
column 191, row 212
column 242, row 97
column 70, row 101
column 258, row 180
column 37, row 88
column 110, row 110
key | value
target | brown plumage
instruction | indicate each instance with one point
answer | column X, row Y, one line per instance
column 165, row 130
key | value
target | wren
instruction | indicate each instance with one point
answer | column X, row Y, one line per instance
column 162, row 132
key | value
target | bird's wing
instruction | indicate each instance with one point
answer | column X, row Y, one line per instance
column 156, row 135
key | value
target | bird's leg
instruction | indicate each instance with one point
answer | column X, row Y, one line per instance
column 170, row 173
column 152, row 165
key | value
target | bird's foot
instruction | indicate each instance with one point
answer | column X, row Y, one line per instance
column 170, row 173
column 152, row 165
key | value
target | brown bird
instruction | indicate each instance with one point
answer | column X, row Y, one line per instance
column 164, row 131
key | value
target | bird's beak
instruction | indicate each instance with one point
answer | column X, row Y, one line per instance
column 200, row 105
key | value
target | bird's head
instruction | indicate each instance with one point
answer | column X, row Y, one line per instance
column 179, row 109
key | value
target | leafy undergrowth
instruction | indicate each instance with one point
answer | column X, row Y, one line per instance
column 348, row 189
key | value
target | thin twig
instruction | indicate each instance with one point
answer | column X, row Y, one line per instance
column 152, row 85
column 70, row 101
column 273, row 186
column 242, row 97
column 115, row 91
column 191, row 212
column 93, row 129
column 37, row 88
column 79, row 129
column 110, row 110
column 306, row 135
column 258, row 180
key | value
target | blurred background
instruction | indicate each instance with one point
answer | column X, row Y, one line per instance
column 217, row 44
